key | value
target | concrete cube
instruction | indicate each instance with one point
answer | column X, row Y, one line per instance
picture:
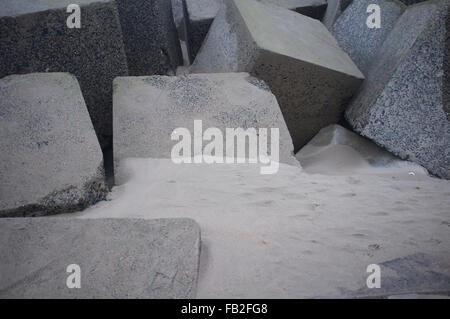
column 150, row 36
column 401, row 103
column 201, row 13
column 295, row 55
column 50, row 158
column 334, row 10
column 147, row 110
column 35, row 37
column 115, row 258
column 356, row 38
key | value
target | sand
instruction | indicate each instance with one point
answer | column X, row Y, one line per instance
column 293, row 234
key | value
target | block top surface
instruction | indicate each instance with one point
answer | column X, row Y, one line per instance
column 293, row 4
column 203, row 9
column 17, row 7
column 294, row 35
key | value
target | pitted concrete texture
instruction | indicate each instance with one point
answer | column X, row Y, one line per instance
column 117, row 258
column 150, row 36
column 356, row 38
column 147, row 110
column 35, row 38
column 201, row 14
column 401, row 104
column 50, row 158
column 311, row 76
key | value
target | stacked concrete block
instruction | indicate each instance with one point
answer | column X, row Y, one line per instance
column 148, row 110
column 113, row 258
column 334, row 10
column 150, row 36
column 295, row 55
column 201, row 13
column 354, row 35
column 35, row 37
column 50, row 158
column 401, row 104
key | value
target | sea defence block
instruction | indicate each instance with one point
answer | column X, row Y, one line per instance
column 356, row 38
column 150, row 36
column 148, row 110
column 295, row 55
column 401, row 103
column 50, row 158
column 114, row 258
column 35, row 37
column 334, row 10
column 201, row 13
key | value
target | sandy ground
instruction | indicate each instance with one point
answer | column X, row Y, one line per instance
column 293, row 234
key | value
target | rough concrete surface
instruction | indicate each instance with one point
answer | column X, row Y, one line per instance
column 400, row 105
column 50, row 159
column 35, row 38
column 311, row 76
column 359, row 41
column 147, row 110
column 118, row 258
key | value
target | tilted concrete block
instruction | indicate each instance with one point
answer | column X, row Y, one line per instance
column 150, row 36
column 35, row 37
column 147, row 110
column 50, row 158
column 401, row 103
column 201, row 13
column 354, row 35
column 295, row 55
column 113, row 258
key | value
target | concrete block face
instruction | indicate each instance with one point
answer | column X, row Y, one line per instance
column 334, row 10
column 312, row 79
column 147, row 110
column 150, row 36
column 356, row 38
column 34, row 37
column 201, row 14
column 117, row 258
column 50, row 158
column 401, row 105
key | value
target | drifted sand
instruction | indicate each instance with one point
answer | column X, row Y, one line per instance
column 293, row 234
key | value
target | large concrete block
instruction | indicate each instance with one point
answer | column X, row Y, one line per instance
column 334, row 10
column 400, row 105
column 295, row 55
column 117, row 258
column 150, row 36
column 201, row 13
column 50, row 158
column 356, row 38
column 34, row 37
column 147, row 110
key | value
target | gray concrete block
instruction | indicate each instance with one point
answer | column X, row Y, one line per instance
column 118, row 258
column 295, row 55
column 400, row 105
column 50, row 158
column 35, row 38
column 334, row 10
column 150, row 36
column 201, row 14
column 148, row 109
column 356, row 38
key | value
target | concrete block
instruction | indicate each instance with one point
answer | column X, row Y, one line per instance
column 50, row 158
column 35, row 38
column 117, row 258
column 334, row 10
column 295, row 55
column 356, row 38
column 201, row 14
column 150, row 36
column 401, row 103
column 147, row 110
